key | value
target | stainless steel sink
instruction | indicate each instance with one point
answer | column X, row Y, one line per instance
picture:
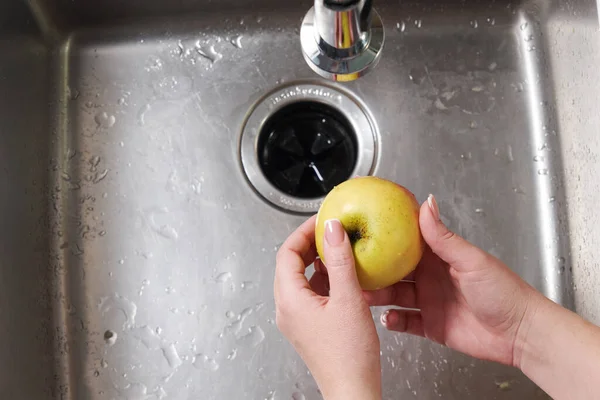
column 136, row 258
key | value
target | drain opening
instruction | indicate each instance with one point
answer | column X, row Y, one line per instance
column 306, row 148
column 301, row 140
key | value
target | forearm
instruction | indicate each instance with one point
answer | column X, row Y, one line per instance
column 354, row 392
column 559, row 351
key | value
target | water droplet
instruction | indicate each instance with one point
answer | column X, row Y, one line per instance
column 153, row 64
column 104, row 120
column 479, row 210
column 544, row 147
column 110, row 337
column 71, row 310
column 467, row 156
column 552, row 199
column 72, row 94
column 528, row 38
column 167, row 231
column 126, row 306
column 210, row 54
column 100, row 176
column 509, row 153
column 542, row 171
column 531, row 48
column 142, row 114
column 418, row 23
column 524, row 26
column 223, row 277
column 298, row 396
column 474, row 24
column 247, row 285
column 202, row 361
column 170, row 354
column 538, row 158
column 237, row 41
column 104, row 364
column 518, row 87
column 232, row 355
column 493, row 65
column 96, row 373
column 169, row 290
column 417, row 75
column 254, row 337
column 236, row 326
column 491, row 21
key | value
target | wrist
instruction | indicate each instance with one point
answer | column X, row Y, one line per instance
column 533, row 304
column 351, row 392
column 354, row 390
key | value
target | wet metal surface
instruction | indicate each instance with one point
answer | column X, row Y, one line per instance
column 136, row 260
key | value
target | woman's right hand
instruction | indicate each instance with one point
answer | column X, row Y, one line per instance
column 468, row 300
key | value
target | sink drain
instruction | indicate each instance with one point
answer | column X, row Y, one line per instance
column 300, row 141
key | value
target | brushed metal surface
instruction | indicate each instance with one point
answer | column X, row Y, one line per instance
column 136, row 262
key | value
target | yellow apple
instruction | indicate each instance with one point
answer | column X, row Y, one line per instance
column 382, row 222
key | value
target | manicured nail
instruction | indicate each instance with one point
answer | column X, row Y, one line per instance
column 433, row 206
column 384, row 317
column 389, row 318
column 334, row 232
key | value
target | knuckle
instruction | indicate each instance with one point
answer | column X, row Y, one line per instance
column 447, row 236
column 340, row 259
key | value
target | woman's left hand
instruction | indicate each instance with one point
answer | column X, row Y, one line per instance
column 327, row 319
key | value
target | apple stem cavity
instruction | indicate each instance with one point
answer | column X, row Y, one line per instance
column 354, row 235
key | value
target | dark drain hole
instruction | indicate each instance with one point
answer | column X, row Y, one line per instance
column 306, row 148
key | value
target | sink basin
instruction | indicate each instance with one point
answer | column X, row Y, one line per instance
column 136, row 257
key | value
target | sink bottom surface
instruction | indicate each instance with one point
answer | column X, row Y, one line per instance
column 166, row 254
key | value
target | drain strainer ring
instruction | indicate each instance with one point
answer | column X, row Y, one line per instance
column 284, row 139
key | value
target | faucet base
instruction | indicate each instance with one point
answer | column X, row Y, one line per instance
column 331, row 66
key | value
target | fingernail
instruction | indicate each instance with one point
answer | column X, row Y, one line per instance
column 389, row 318
column 433, row 206
column 384, row 317
column 334, row 232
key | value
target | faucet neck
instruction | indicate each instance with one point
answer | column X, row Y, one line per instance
column 342, row 26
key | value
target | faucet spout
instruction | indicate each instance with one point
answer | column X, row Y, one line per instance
column 342, row 39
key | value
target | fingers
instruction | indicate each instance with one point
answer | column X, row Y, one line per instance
column 319, row 283
column 403, row 321
column 450, row 247
column 319, row 266
column 295, row 254
column 402, row 294
column 340, row 262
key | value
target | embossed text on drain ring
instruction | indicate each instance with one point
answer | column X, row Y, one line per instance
column 362, row 125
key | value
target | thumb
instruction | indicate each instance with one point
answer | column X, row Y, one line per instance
column 339, row 260
column 450, row 247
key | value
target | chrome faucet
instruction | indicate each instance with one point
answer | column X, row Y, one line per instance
column 342, row 39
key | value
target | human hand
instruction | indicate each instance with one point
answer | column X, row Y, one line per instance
column 468, row 300
column 327, row 319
